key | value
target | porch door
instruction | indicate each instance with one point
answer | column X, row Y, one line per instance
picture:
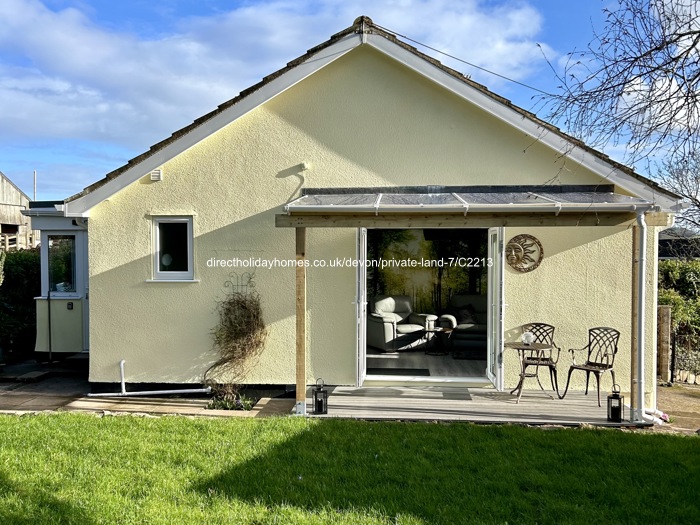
column 361, row 305
column 494, row 355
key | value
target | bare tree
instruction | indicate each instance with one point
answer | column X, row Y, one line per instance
column 682, row 176
column 638, row 83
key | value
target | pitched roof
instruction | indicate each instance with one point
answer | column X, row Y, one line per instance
column 364, row 30
column 6, row 178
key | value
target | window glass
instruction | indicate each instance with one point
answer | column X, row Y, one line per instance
column 62, row 263
column 172, row 237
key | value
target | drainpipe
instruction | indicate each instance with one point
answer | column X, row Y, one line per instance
column 124, row 393
column 641, row 317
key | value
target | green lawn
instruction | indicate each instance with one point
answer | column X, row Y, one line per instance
column 72, row 468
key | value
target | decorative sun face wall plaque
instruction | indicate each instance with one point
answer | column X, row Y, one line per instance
column 524, row 253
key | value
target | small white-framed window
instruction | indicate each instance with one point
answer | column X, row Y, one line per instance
column 173, row 249
column 62, row 264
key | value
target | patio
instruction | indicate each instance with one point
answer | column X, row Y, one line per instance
column 458, row 403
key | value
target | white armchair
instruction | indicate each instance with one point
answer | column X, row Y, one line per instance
column 392, row 325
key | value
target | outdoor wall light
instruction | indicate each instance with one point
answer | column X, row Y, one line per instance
column 320, row 398
column 616, row 405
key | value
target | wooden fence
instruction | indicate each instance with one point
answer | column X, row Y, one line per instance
column 14, row 241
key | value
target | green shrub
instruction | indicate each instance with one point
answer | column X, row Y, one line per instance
column 681, row 276
column 685, row 312
column 21, row 285
column 2, row 265
column 679, row 283
column 228, row 397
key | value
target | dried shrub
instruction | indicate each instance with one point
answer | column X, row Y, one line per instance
column 239, row 336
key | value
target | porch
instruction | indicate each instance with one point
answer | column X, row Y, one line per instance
column 494, row 208
column 459, row 403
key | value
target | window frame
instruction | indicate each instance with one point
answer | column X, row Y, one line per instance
column 80, row 263
column 162, row 275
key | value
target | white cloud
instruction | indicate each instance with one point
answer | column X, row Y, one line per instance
column 63, row 76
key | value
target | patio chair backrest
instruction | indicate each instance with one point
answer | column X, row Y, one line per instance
column 602, row 346
column 544, row 333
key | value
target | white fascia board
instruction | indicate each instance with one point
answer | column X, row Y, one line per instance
column 42, row 212
column 521, row 122
column 81, row 206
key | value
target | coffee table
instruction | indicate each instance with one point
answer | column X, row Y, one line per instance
column 533, row 352
column 438, row 344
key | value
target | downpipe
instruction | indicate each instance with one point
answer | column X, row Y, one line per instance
column 124, row 393
column 641, row 317
column 652, row 415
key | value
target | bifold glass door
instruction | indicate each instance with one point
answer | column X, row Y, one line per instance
column 361, row 306
column 494, row 355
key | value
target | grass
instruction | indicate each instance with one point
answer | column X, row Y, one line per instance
column 81, row 469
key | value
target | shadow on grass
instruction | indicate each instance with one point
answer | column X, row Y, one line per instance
column 463, row 473
column 22, row 505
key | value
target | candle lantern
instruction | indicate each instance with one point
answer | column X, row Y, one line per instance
column 616, row 405
column 320, row 398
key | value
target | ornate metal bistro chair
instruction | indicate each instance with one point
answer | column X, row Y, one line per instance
column 600, row 358
column 544, row 333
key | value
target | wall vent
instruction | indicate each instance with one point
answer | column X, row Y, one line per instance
column 157, row 175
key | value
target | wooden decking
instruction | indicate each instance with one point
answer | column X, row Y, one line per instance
column 453, row 403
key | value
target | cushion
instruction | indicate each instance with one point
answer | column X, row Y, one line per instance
column 397, row 318
column 398, row 304
column 466, row 315
column 408, row 328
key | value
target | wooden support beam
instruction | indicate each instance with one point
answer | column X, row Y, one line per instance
column 435, row 220
column 659, row 219
column 301, row 322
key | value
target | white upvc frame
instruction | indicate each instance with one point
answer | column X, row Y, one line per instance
column 80, row 266
column 361, row 303
column 158, row 274
column 494, row 355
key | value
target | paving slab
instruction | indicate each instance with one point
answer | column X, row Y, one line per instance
column 265, row 407
column 34, row 375
column 13, row 401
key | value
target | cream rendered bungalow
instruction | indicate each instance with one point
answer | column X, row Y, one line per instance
column 363, row 144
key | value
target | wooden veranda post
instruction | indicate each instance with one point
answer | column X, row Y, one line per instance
column 635, row 319
column 301, row 322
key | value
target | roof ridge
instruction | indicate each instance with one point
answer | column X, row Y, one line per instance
column 364, row 25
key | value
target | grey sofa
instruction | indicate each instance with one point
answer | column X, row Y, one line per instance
column 466, row 315
column 392, row 325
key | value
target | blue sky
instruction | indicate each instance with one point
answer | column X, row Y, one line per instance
column 85, row 85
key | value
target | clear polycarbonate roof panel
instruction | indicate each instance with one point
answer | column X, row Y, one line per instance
column 419, row 199
column 337, row 199
column 592, row 198
column 500, row 198
column 460, row 201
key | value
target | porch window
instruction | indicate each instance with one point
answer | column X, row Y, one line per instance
column 62, row 263
column 173, row 257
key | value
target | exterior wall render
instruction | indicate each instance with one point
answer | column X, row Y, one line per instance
column 361, row 121
column 584, row 281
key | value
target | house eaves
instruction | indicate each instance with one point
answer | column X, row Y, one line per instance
column 365, row 32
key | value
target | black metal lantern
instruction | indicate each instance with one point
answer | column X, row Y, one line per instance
column 616, row 405
column 320, row 397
